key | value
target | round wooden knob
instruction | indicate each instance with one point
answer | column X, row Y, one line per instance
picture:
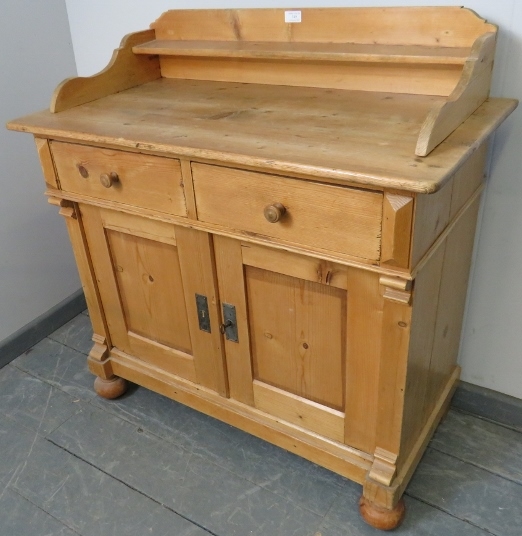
column 108, row 179
column 274, row 212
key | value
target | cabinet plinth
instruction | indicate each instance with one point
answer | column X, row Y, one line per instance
column 276, row 228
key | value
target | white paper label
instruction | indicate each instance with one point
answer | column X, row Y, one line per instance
column 292, row 16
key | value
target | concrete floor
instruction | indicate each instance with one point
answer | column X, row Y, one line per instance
column 72, row 463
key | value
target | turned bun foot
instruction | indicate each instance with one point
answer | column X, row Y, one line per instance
column 379, row 517
column 111, row 388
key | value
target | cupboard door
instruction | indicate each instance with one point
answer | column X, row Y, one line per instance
column 307, row 349
column 149, row 273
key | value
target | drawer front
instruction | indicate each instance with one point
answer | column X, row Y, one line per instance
column 146, row 181
column 335, row 218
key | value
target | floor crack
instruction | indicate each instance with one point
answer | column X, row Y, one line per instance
column 126, row 484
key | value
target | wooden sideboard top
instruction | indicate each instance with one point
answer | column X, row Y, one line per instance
column 345, row 137
column 391, row 98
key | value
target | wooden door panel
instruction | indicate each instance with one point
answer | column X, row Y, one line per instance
column 290, row 357
column 164, row 357
column 199, row 277
column 230, row 273
column 284, row 300
column 300, row 411
column 297, row 331
column 147, row 277
column 150, row 288
column 294, row 265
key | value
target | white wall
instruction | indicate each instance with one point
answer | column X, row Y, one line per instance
column 37, row 269
column 492, row 338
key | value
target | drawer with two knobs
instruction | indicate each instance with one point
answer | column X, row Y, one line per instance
column 141, row 180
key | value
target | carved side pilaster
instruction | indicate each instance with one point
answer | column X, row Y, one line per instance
column 67, row 208
column 397, row 215
column 384, row 466
column 100, row 350
column 75, row 226
column 396, row 289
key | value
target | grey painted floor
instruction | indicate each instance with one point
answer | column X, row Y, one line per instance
column 72, row 463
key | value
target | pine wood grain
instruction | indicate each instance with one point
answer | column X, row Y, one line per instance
column 317, row 253
column 468, row 179
column 396, row 229
column 238, row 198
column 299, row 51
column 298, row 335
column 149, row 283
column 342, row 459
column 277, row 174
column 231, row 279
column 146, row 181
column 419, row 68
column 363, row 356
column 471, row 91
column 125, row 70
column 420, row 348
column 142, row 298
column 447, row 231
column 357, row 138
column 46, row 161
column 76, row 231
column 145, row 228
column 450, row 313
column 395, row 340
column 418, row 79
column 199, row 277
column 426, row 26
column 188, row 189
column 258, row 45
column 102, row 268
column 388, row 496
column 299, row 411
column 432, row 213
column 288, row 263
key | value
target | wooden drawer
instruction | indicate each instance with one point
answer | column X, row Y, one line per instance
column 335, row 218
column 146, row 181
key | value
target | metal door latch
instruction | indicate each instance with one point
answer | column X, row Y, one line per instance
column 229, row 326
column 203, row 316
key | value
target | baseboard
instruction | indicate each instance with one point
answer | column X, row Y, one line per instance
column 40, row 327
column 489, row 404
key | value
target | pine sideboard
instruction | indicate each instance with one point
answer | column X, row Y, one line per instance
column 273, row 216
